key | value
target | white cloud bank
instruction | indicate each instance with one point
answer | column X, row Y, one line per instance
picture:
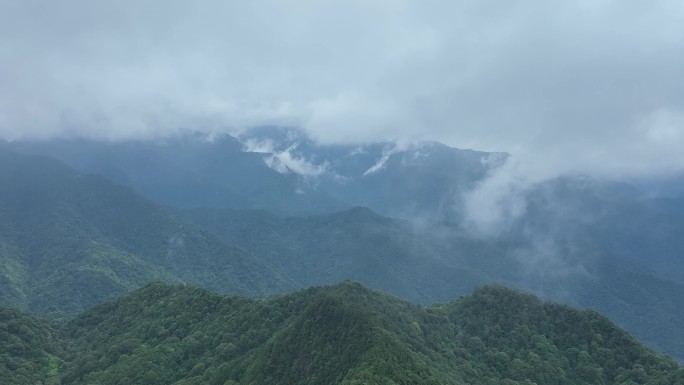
column 572, row 86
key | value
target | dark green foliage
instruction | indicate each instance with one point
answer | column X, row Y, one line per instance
column 554, row 344
column 342, row 334
column 30, row 350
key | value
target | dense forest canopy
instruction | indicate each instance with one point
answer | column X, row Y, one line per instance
column 341, row 334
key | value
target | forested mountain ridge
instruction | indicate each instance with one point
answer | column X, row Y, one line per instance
column 69, row 240
column 341, row 334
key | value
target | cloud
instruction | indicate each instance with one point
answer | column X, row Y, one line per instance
column 285, row 161
column 494, row 205
column 574, row 86
column 382, row 162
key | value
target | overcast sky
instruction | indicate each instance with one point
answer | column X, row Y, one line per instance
column 570, row 86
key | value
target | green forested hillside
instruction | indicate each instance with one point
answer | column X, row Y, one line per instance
column 31, row 350
column 342, row 334
column 68, row 241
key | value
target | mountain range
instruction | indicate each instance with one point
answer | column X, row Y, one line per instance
column 279, row 170
column 270, row 211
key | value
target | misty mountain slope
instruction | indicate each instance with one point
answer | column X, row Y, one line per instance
column 292, row 175
column 668, row 186
column 651, row 308
column 607, row 246
column 435, row 262
column 347, row 334
column 611, row 219
column 70, row 240
column 649, row 235
column 281, row 170
column 425, row 178
column 189, row 171
column 361, row 245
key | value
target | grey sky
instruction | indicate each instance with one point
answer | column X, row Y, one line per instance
column 567, row 86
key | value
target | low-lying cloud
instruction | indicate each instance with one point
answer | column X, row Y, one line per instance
column 575, row 86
